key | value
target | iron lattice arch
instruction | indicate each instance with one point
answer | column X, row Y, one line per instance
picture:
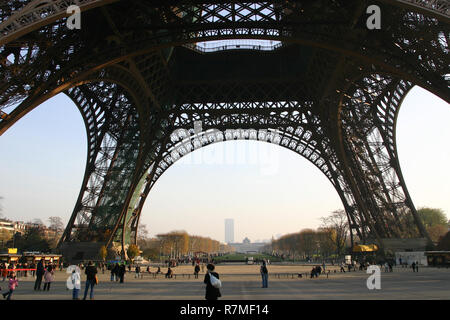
column 327, row 88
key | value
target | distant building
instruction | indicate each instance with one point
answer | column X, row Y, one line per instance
column 14, row 227
column 229, row 230
column 6, row 225
column 247, row 246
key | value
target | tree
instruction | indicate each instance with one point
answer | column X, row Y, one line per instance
column 435, row 222
column 103, row 252
column 337, row 229
column 32, row 240
column 5, row 236
column 56, row 224
column 444, row 242
column 133, row 251
column 432, row 217
column 437, row 232
column 142, row 233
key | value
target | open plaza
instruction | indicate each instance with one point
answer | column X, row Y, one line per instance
column 243, row 282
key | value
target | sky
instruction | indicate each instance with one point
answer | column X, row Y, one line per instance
column 266, row 189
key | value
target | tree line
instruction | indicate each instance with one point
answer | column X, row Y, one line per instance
column 176, row 244
column 328, row 240
column 331, row 239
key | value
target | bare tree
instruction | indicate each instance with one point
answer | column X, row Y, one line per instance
column 142, row 233
column 337, row 226
column 56, row 223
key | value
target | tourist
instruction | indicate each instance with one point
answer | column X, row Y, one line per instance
column 212, row 293
column 4, row 272
column 48, row 277
column 33, row 269
column 264, row 275
column 196, row 271
column 25, row 272
column 115, row 271
column 169, row 274
column 121, row 272
column 76, row 281
column 40, row 270
column 12, row 285
column 91, row 280
column 138, row 272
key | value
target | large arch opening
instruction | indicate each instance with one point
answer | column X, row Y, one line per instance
column 267, row 189
column 422, row 143
column 43, row 162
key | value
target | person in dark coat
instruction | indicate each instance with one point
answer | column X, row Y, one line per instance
column 40, row 270
column 122, row 271
column 91, row 272
column 115, row 272
column 211, row 292
column 196, row 271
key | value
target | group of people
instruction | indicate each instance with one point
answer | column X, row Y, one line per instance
column 316, row 271
column 118, row 272
column 44, row 272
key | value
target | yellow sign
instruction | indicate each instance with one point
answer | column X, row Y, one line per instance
column 365, row 248
column 12, row 251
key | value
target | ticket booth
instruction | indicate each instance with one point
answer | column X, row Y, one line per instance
column 10, row 258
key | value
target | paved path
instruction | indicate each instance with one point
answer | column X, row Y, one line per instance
column 244, row 283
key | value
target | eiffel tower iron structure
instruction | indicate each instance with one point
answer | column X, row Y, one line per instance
column 151, row 90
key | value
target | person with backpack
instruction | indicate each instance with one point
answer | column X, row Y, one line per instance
column 212, row 292
column 264, row 275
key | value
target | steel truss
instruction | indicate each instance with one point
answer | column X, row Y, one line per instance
column 330, row 90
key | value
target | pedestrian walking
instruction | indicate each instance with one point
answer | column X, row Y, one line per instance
column 40, row 270
column 48, row 277
column 12, row 285
column 91, row 280
column 212, row 293
column 264, row 275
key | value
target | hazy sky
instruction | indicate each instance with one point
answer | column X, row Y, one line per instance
column 266, row 189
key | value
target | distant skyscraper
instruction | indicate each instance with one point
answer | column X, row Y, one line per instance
column 229, row 230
